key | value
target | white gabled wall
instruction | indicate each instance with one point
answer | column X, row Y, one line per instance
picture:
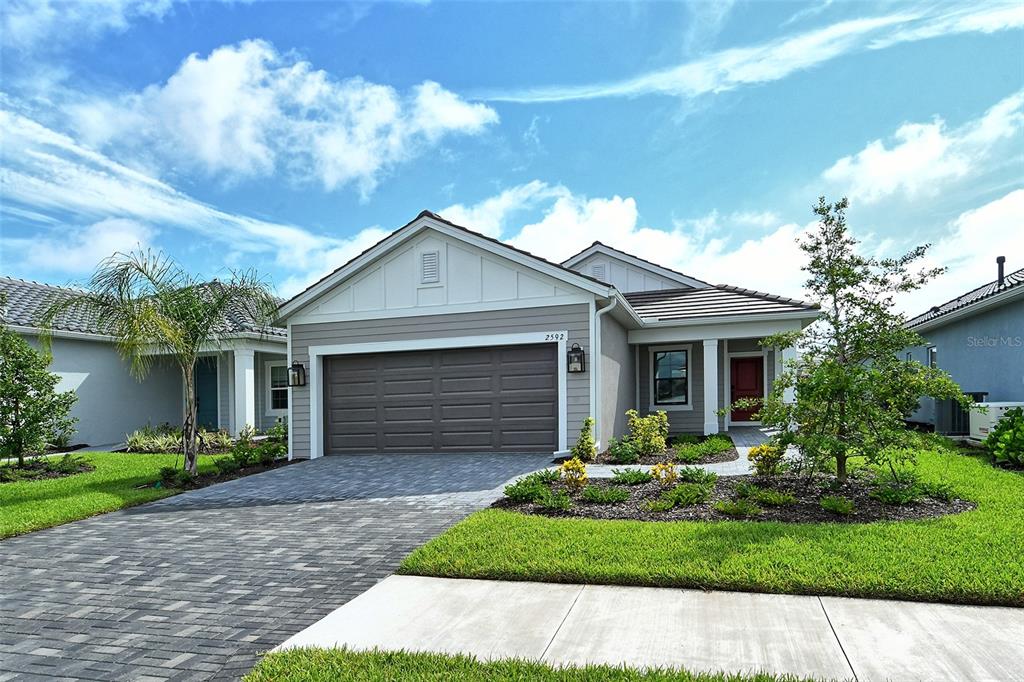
column 471, row 279
column 626, row 277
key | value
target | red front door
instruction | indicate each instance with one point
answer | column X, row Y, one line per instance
column 747, row 376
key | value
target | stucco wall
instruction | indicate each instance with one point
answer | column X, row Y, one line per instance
column 984, row 352
column 575, row 319
column 112, row 402
column 618, row 379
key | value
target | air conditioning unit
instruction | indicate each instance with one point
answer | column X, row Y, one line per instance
column 983, row 422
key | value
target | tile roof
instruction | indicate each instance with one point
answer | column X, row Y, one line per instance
column 720, row 300
column 27, row 301
column 1010, row 281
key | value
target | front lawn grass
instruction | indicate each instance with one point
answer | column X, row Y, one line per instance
column 26, row 506
column 973, row 557
column 312, row 665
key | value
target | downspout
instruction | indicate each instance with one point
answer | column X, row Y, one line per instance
column 595, row 364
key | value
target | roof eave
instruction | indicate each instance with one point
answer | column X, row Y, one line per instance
column 969, row 309
column 810, row 314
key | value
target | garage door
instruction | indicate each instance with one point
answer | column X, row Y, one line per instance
column 501, row 399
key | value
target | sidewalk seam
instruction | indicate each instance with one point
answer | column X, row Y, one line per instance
column 835, row 634
column 564, row 618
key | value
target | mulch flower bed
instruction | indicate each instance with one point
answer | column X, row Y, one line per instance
column 805, row 509
column 213, row 477
column 670, row 456
column 40, row 468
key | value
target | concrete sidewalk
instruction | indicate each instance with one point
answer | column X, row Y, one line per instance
column 824, row 638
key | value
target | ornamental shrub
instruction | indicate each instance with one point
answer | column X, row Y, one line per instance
column 1006, row 440
column 837, row 504
column 697, row 475
column 622, row 451
column 574, row 473
column 527, row 489
column 593, row 493
column 631, row 476
column 648, row 434
column 585, row 447
column 687, row 494
column 664, row 473
column 555, row 501
column 768, row 459
column 740, row 509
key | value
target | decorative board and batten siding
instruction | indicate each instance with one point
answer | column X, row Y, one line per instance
column 626, row 277
column 573, row 319
column 435, row 273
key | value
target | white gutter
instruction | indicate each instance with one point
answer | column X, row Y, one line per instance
column 595, row 364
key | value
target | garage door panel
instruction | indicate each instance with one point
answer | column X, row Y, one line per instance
column 455, row 400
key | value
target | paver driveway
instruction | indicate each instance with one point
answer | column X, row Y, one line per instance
column 194, row 586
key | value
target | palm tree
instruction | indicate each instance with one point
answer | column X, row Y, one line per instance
column 152, row 306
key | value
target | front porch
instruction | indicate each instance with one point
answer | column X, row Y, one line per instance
column 693, row 379
column 241, row 386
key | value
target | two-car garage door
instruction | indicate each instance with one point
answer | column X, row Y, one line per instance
column 502, row 399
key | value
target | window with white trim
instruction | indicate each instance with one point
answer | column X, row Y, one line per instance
column 671, row 376
column 933, row 357
column 277, row 388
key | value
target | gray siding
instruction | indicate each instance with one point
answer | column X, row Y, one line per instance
column 685, row 421
column 984, row 352
column 112, row 402
column 618, row 379
column 572, row 318
column 263, row 420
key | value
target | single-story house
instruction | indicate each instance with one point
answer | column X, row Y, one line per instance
column 441, row 339
column 241, row 383
column 978, row 338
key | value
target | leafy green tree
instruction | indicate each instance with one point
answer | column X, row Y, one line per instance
column 152, row 307
column 32, row 411
column 852, row 390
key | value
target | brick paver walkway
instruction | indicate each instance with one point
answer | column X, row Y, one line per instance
column 195, row 586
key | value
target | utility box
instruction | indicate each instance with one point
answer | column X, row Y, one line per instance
column 982, row 423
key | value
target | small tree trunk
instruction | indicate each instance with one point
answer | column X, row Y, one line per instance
column 841, row 468
column 188, row 425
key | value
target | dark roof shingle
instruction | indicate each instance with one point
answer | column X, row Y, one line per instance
column 27, row 302
column 719, row 300
column 1010, row 281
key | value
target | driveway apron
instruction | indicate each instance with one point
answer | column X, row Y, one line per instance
column 195, row 586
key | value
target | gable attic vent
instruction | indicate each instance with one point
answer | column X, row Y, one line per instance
column 597, row 271
column 430, row 267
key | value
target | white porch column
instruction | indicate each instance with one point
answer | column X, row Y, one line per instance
column 710, row 386
column 788, row 395
column 245, row 390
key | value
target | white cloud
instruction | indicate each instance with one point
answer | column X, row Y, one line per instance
column 33, row 24
column 78, row 250
column 969, row 247
column 732, row 68
column 48, row 173
column 491, row 215
column 247, row 110
column 925, row 156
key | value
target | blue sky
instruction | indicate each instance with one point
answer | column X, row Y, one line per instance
column 290, row 136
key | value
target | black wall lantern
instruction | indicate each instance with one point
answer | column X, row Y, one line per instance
column 297, row 374
column 576, row 363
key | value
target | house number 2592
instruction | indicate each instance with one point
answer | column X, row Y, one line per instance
column 554, row 336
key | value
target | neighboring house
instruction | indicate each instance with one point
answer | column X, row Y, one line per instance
column 440, row 339
column 241, row 383
column 978, row 338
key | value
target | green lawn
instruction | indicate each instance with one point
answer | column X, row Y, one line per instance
column 31, row 505
column 974, row 557
column 339, row 664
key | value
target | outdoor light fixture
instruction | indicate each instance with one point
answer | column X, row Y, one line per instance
column 297, row 374
column 575, row 359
